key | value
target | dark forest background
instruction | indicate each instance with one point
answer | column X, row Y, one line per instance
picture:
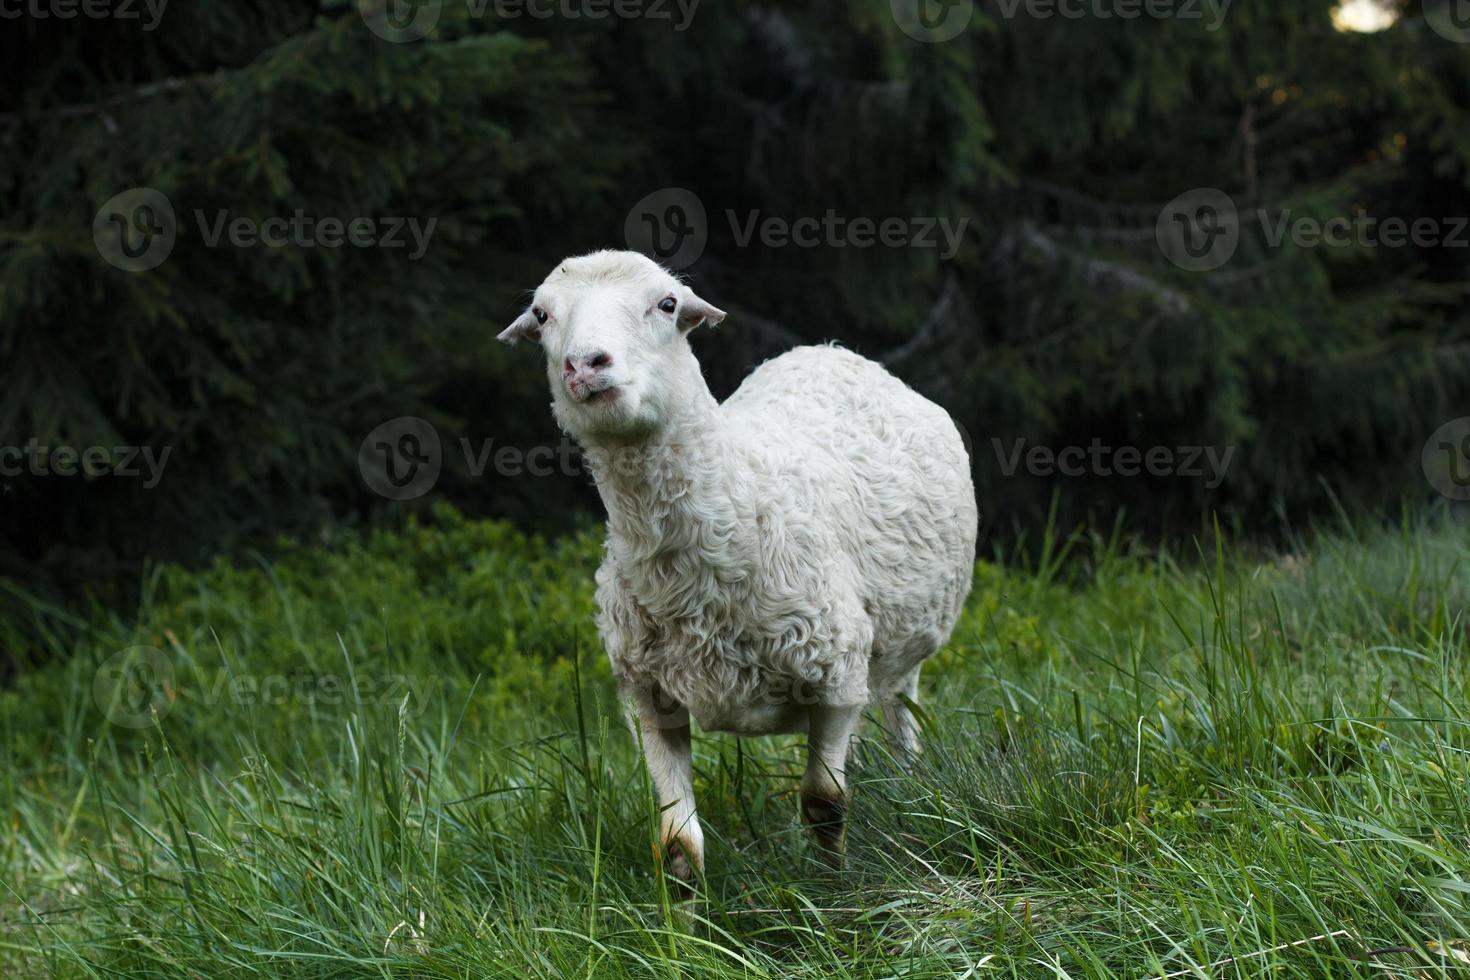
column 1058, row 320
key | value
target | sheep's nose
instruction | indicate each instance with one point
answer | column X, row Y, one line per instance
column 595, row 361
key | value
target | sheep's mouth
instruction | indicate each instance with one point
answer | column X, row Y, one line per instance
column 596, row 396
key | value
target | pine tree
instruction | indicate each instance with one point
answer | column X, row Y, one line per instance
column 1055, row 144
column 259, row 367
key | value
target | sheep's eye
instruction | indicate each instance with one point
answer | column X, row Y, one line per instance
column 668, row 304
column 539, row 314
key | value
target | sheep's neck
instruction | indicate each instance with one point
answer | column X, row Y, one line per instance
column 674, row 494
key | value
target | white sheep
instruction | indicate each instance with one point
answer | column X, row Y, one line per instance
column 773, row 564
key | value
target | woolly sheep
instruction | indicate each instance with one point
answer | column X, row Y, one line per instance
column 775, row 563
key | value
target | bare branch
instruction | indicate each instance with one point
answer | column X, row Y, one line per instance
column 1101, row 272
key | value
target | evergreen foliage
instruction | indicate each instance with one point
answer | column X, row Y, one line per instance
column 1058, row 320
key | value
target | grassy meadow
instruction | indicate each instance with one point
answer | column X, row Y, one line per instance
column 399, row 755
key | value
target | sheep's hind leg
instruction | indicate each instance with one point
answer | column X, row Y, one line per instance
column 667, row 751
column 824, row 784
column 900, row 727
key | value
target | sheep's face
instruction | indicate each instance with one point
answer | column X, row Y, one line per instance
column 614, row 328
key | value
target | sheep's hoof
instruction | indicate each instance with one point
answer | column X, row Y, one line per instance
column 680, row 869
column 827, row 819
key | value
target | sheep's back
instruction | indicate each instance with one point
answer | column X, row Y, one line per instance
column 859, row 462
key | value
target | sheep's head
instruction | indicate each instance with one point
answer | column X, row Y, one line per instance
column 614, row 327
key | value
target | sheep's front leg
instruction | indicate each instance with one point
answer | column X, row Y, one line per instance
column 824, row 784
column 667, row 753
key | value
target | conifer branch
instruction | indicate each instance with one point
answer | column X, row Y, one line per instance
column 148, row 91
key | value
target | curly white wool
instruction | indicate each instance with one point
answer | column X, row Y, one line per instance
column 814, row 536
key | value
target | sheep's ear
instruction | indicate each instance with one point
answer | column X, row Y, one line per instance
column 693, row 311
column 524, row 325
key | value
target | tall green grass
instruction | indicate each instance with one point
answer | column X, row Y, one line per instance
column 400, row 755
